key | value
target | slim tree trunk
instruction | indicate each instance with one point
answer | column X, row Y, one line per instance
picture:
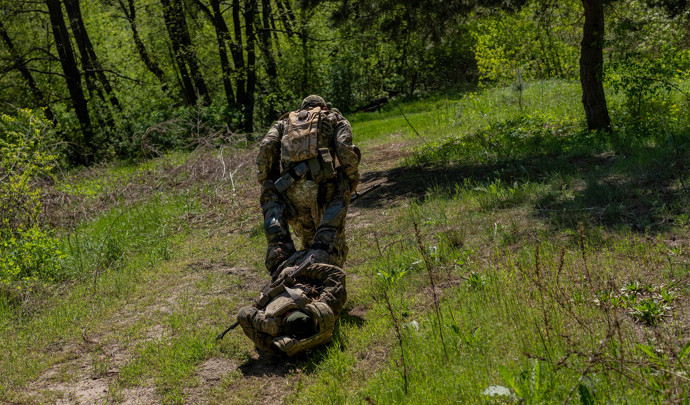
column 265, row 45
column 72, row 75
column 237, row 51
column 286, row 16
column 249, row 12
column 185, row 55
column 592, row 66
column 130, row 13
column 190, row 53
column 20, row 64
column 265, row 42
column 222, row 37
column 90, row 61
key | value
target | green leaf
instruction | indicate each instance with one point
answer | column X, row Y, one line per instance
column 509, row 379
column 648, row 350
column 586, row 397
column 685, row 351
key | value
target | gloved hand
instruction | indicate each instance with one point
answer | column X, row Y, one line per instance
column 352, row 181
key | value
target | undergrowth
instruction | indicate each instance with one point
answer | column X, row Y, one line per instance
column 518, row 258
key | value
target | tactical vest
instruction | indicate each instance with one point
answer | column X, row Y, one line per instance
column 300, row 143
column 319, row 292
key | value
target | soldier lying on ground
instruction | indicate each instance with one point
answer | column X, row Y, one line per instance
column 308, row 168
column 298, row 309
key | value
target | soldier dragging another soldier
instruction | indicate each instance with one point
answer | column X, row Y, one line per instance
column 301, row 185
column 308, row 169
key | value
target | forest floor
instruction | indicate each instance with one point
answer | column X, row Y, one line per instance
column 521, row 260
column 218, row 263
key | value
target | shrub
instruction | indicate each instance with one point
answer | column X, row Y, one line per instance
column 542, row 40
column 32, row 255
column 27, row 252
column 25, row 160
column 645, row 80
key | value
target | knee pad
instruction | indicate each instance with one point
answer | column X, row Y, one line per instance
column 325, row 239
column 275, row 226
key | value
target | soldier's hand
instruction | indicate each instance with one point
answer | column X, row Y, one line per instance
column 353, row 186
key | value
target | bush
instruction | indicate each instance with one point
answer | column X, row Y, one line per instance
column 27, row 252
column 647, row 80
column 25, row 160
column 32, row 255
column 542, row 40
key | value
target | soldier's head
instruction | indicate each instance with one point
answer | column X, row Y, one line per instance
column 313, row 101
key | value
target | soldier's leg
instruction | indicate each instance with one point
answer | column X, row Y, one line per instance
column 330, row 234
column 303, row 195
column 280, row 245
column 304, row 228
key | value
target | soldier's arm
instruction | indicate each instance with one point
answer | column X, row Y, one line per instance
column 268, row 159
column 348, row 158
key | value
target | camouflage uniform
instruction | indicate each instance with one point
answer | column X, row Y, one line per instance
column 299, row 308
column 315, row 210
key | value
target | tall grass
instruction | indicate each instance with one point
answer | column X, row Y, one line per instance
column 555, row 249
column 104, row 259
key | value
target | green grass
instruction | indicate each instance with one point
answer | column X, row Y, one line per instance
column 96, row 183
column 436, row 119
column 560, row 258
column 105, row 258
column 601, row 211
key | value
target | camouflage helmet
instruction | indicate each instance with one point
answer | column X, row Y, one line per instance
column 313, row 101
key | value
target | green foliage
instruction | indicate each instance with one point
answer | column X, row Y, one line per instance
column 512, row 140
column 646, row 81
column 642, row 27
column 28, row 156
column 31, row 255
column 541, row 40
column 645, row 303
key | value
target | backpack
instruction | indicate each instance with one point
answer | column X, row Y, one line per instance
column 317, row 290
column 300, row 143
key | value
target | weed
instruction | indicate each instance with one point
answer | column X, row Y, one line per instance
column 430, row 271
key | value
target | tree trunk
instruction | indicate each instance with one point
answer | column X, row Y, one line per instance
column 249, row 12
column 592, row 66
column 265, row 46
column 175, row 23
column 238, row 56
column 265, row 41
column 130, row 13
column 286, row 16
column 72, row 76
column 92, row 66
column 20, row 64
column 223, row 36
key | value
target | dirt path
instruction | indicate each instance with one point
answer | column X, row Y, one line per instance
column 92, row 368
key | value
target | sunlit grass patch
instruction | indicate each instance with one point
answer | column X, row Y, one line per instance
column 103, row 244
column 532, row 324
column 95, row 182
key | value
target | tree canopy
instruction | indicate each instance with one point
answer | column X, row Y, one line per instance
column 103, row 72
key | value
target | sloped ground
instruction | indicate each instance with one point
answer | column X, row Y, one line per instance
column 558, row 274
column 219, row 266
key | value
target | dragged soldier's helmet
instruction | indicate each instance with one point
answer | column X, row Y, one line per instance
column 313, row 101
column 299, row 308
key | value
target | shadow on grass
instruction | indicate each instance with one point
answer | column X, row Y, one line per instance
column 266, row 365
column 574, row 176
column 351, row 317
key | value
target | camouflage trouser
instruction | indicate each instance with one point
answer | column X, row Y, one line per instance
column 318, row 225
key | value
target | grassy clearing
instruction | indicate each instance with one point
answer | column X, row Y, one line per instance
column 559, row 256
column 562, row 257
column 103, row 261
